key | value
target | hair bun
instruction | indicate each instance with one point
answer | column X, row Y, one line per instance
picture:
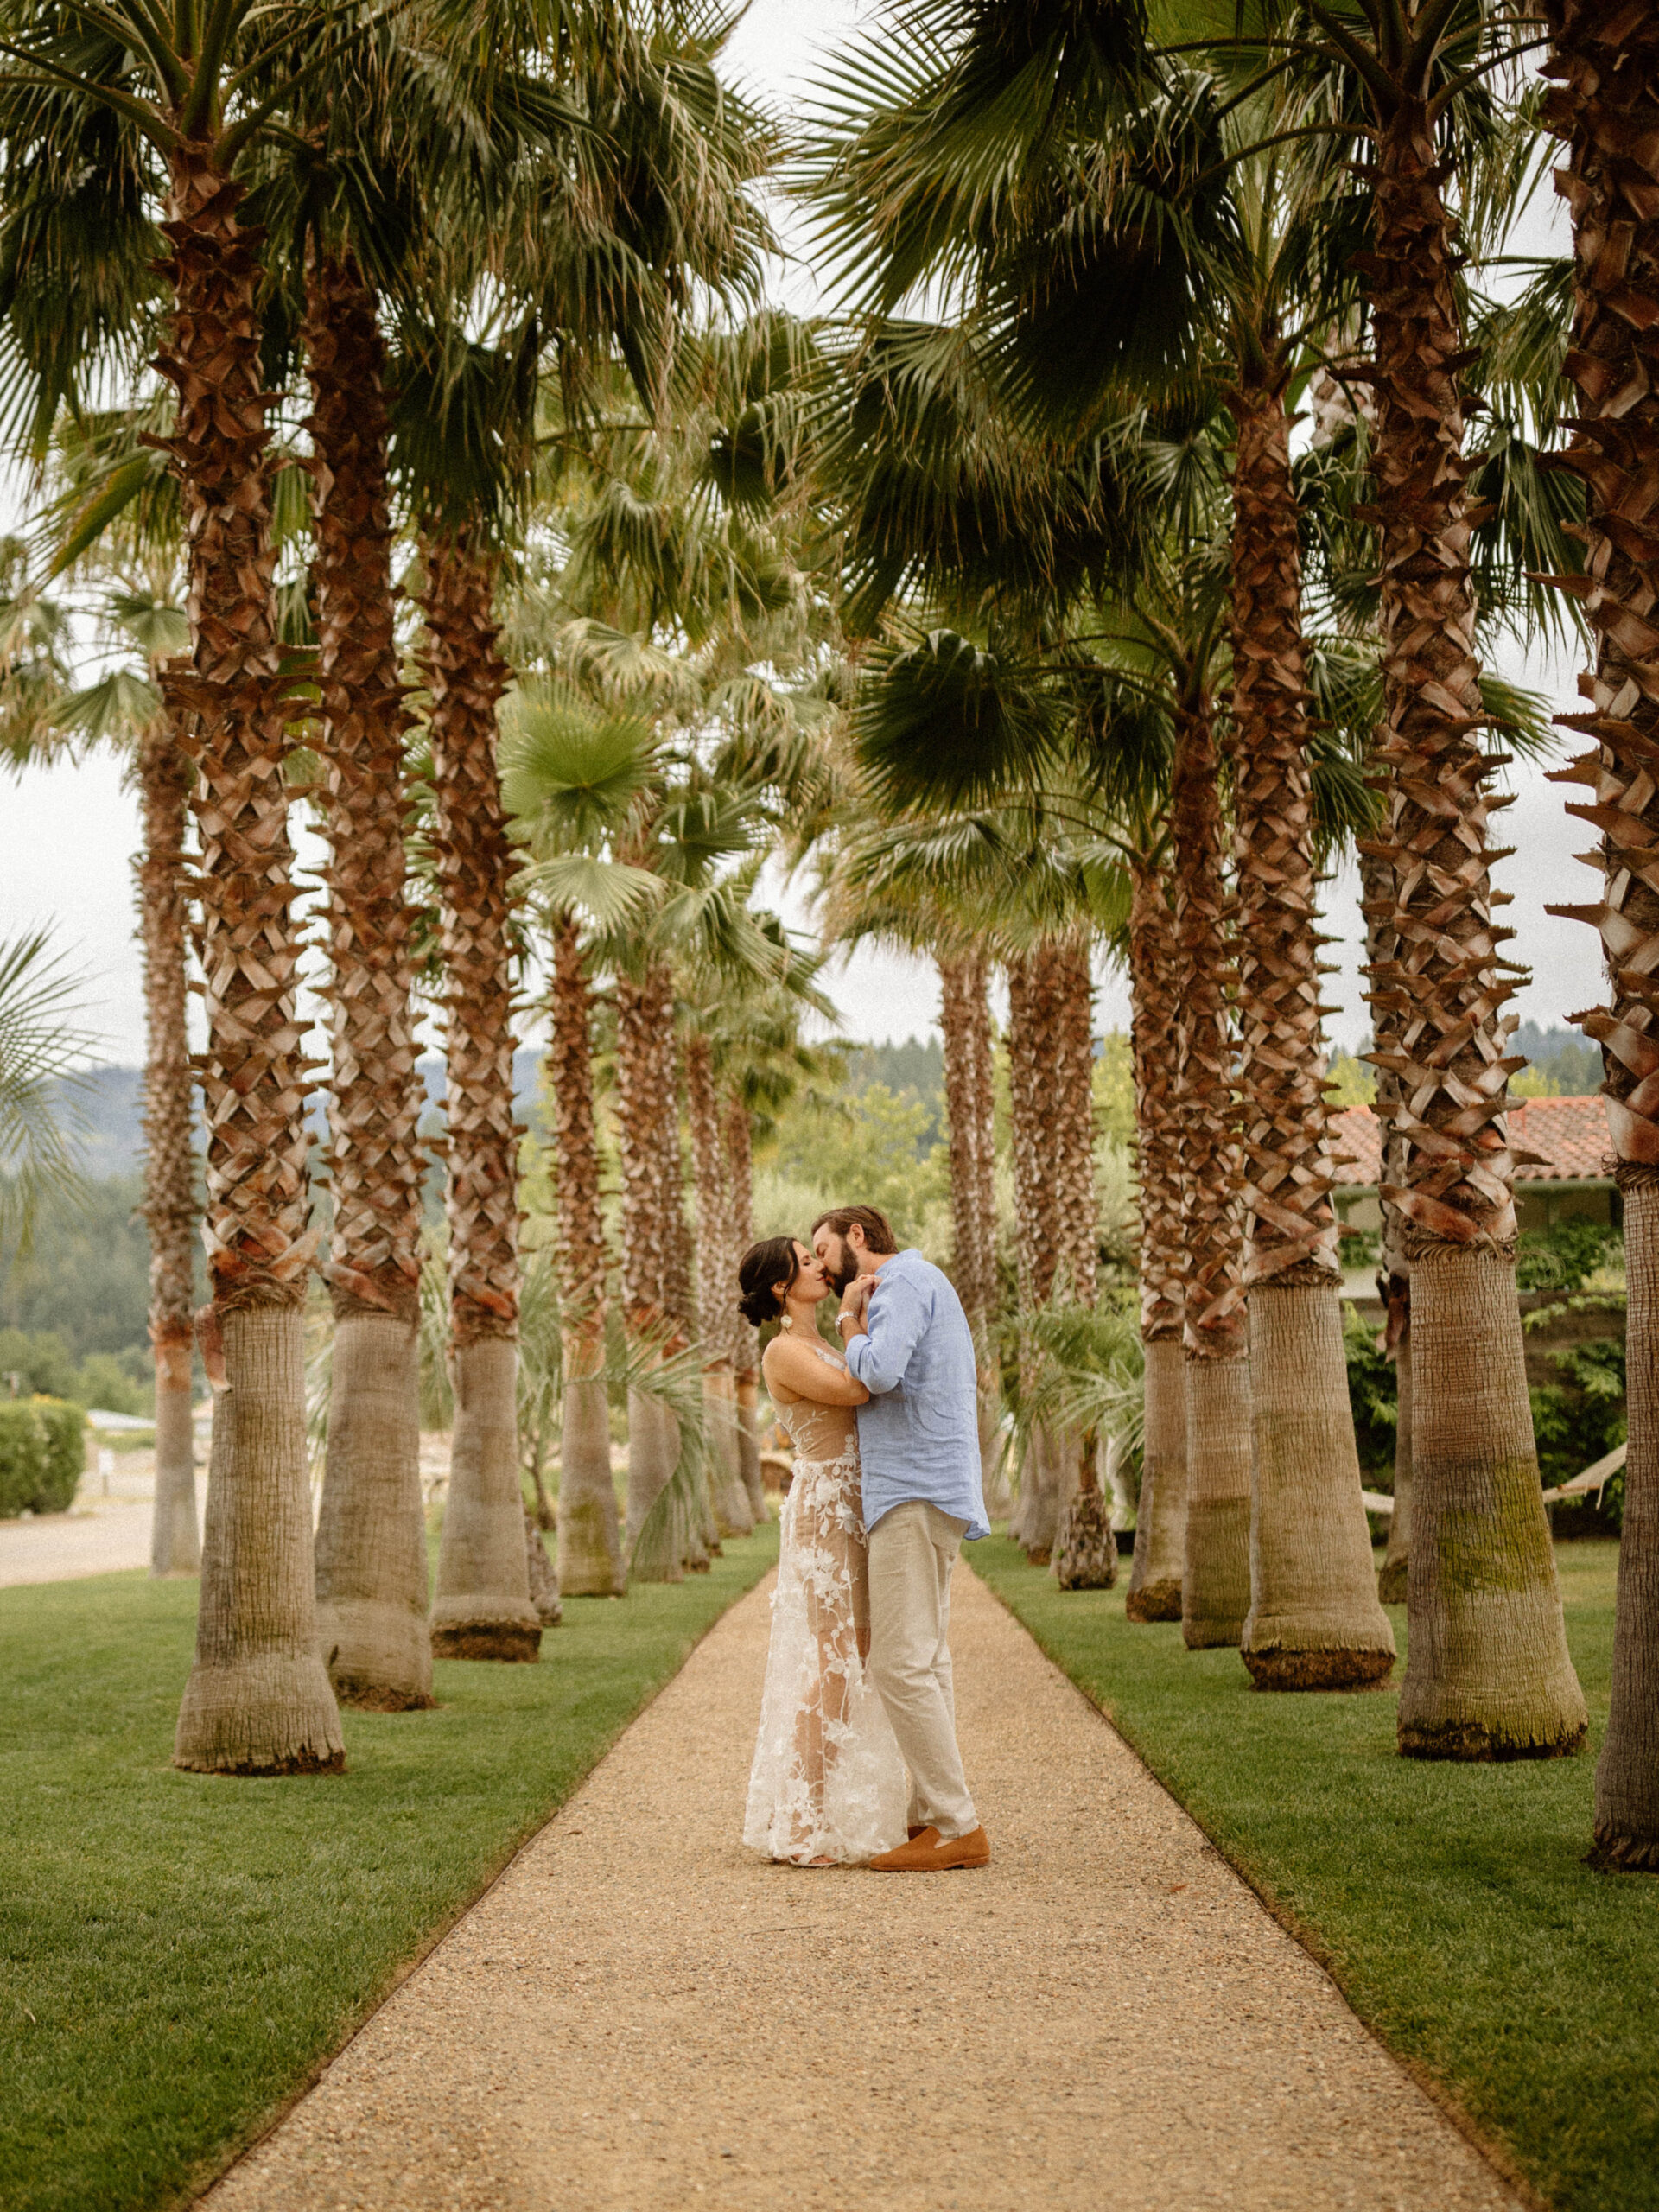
column 758, row 1308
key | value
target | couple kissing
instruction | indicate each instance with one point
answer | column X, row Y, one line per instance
column 857, row 1761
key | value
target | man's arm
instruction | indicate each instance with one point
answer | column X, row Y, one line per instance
column 895, row 1327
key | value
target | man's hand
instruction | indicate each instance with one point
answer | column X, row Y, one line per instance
column 853, row 1318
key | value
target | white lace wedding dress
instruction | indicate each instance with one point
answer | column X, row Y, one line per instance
column 827, row 1782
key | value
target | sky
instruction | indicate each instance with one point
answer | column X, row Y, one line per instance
column 70, row 832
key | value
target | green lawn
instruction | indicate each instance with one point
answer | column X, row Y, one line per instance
column 178, row 1951
column 1450, row 1903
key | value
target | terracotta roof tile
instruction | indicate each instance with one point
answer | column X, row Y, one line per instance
column 1571, row 1135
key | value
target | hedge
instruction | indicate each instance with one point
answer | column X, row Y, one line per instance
column 42, row 1451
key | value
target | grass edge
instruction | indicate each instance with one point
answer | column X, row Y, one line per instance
column 208, row 2175
column 1306, row 1939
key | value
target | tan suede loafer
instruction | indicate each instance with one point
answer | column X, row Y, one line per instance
column 929, row 1853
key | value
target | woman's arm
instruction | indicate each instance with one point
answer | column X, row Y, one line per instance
column 798, row 1369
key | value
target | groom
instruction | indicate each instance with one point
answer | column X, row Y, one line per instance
column 909, row 1344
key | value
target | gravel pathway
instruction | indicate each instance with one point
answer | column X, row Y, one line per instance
column 641, row 2016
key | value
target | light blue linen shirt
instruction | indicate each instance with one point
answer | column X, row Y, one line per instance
column 919, row 1436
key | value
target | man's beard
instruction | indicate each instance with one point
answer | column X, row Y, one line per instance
column 841, row 1269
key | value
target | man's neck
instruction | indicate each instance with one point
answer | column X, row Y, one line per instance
column 873, row 1263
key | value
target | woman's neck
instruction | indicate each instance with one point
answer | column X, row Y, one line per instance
column 803, row 1314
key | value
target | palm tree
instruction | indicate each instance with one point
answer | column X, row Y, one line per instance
column 575, row 774
column 645, row 1008
column 1417, row 69
column 162, row 773
column 168, row 112
column 1603, row 103
column 481, row 1608
column 590, row 1543
column 1156, row 1575
column 371, row 1545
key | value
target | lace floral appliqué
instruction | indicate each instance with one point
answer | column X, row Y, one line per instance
column 828, row 1781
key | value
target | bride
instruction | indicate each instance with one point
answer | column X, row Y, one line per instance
column 828, row 1787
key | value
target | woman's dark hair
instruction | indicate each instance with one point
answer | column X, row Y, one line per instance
column 760, row 1272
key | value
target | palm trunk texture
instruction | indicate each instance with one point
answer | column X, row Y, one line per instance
column 1154, row 1591
column 643, row 1006
column 1315, row 1619
column 371, row 1549
column 1086, row 1557
column 736, row 1139
column 715, row 1287
column 1216, row 1563
column 1606, row 106
column 170, row 1176
column 1073, row 1107
column 1033, row 1053
column 590, row 1538
column 1394, row 1276
column 965, row 1027
column 1078, row 1539
column 1488, row 1675
column 1391, row 1582
column 259, row 1700
column 481, row 1609
column 961, row 978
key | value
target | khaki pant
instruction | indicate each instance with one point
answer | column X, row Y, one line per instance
column 912, row 1549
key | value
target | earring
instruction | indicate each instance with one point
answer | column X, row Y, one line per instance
column 787, row 1322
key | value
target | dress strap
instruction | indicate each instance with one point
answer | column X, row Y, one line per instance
column 829, row 1358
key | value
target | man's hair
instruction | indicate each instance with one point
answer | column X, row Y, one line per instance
column 878, row 1229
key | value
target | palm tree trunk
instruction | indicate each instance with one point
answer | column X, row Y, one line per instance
column 258, row 1699
column 170, row 1172
column 964, row 1027
column 1074, row 1107
column 590, row 1540
column 1488, row 1674
column 983, row 1065
column 1315, row 1615
column 1606, row 106
column 678, row 1298
column 642, row 1008
column 746, row 1359
column 371, row 1545
column 954, row 989
column 1215, row 1567
column 1391, row 1583
column 1394, row 1276
column 1033, row 1051
column 1154, row 1591
column 958, row 977
column 715, row 1283
column 1086, row 1556
column 482, row 1607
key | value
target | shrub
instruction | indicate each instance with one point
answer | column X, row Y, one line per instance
column 1374, row 1394
column 1580, row 1418
column 65, row 1428
column 23, row 1456
column 42, row 1451
column 1563, row 1258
